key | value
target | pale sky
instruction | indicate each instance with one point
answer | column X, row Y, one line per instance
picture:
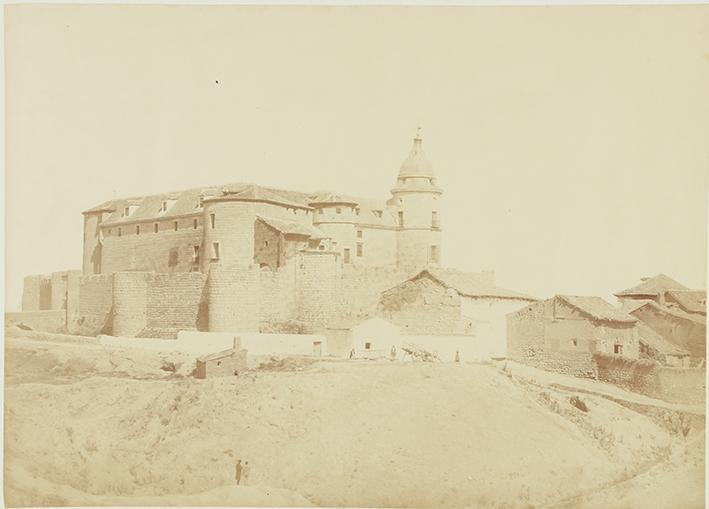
column 572, row 143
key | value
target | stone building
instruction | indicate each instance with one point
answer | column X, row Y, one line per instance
column 565, row 332
column 229, row 362
column 670, row 309
column 245, row 224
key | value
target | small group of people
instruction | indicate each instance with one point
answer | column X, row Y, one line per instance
column 242, row 472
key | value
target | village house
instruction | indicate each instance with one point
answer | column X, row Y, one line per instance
column 670, row 309
column 229, row 362
column 564, row 333
column 655, row 347
column 443, row 302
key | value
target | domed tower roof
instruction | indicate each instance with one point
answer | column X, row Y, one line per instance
column 416, row 165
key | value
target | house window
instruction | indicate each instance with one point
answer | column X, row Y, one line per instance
column 195, row 254
column 401, row 218
column 359, row 249
column 120, row 232
column 212, row 220
column 359, row 234
column 265, row 243
column 434, row 254
column 155, row 227
column 347, row 255
column 434, row 219
column 194, row 224
column 338, row 210
column 137, row 230
column 215, row 250
column 367, row 346
column 574, row 342
column 618, row 349
column 174, row 224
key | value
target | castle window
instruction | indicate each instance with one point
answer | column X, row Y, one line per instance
column 434, row 219
column 359, row 249
column 195, row 254
column 574, row 342
column 174, row 224
column 215, row 250
column 356, row 210
column 401, row 218
column 359, row 234
column 137, row 230
column 194, row 224
column 126, row 211
column 367, row 346
column 212, row 220
column 347, row 255
column 377, row 213
column 120, row 232
column 338, row 210
column 155, row 227
column 434, row 254
column 172, row 262
column 618, row 349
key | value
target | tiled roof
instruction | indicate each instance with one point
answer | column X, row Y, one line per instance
column 676, row 312
column 470, row 284
column 653, row 286
column 331, row 198
column 654, row 340
column 692, row 301
column 258, row 193
column 293, row 228
column 597, row 308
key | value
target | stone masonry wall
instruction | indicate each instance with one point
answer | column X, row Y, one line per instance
column 130, row 303
column 277, row 303
column 174, row 303
column 234, row 298
column 94, row 307
column 37, row 293
column 317, row 288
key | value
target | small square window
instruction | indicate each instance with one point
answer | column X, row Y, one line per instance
column 618, row 349
column 368, row 346
column 574, row 342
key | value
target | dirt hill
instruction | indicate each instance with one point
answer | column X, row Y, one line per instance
column 86, row 424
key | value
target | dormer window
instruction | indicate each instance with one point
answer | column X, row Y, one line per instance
column 126, row 211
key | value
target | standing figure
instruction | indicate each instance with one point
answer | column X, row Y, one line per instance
column 239, row 469
column 245, row 472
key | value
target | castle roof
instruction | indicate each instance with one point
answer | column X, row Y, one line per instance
column 293, row 228
column 652, row 286
column 416, row 164
column 333, row 198
column 597, row 308
column 261, row 194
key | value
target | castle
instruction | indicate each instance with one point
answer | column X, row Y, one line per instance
column 239, row 225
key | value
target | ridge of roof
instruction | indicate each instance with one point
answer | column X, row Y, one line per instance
column 597, row 308
column 652, row 286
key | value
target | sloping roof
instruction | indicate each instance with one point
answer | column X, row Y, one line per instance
column 471, row 284
column 293, row 228
column 692, row 301
column 217, row 355
column 597, row 308
column 654, row 340
column 332, row 198
column 653, row 286
column 258, row 193
column 676, row 312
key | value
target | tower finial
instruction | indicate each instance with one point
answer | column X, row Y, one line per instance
column 418, row 132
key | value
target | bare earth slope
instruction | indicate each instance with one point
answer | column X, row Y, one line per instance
column 86, row 424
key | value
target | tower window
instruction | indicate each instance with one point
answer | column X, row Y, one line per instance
column 126, row 211
column 155, row 227
column 194, row 224
column 347, row 255
column 137, row 230
column 401, row 218
column 618, row 349
column 213, row 220
column 174, row 224
column 195, row 254
column 434, row 219
column 356, row 210
column 359, row 249
column 434, row 254
column 215, row 250
column 359, row 234
column 120, row 232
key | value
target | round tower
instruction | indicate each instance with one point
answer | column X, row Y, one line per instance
column 417, row 200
